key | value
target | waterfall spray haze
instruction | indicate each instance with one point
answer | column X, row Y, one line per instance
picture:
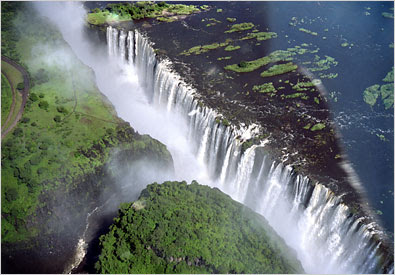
column 123, row 86
column 326, row 236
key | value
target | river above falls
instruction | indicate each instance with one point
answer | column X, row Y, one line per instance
column 125, row 110
column 355, row 34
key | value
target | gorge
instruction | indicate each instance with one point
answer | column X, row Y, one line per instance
column 326, row 225
column 312, row 199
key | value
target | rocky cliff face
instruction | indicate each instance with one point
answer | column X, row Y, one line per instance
column 68, row 154
column 62, row 220
column 261, row 150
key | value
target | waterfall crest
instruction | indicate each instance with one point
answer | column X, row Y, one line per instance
column 326, row 234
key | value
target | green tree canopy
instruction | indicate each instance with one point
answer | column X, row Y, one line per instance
column 178, row 228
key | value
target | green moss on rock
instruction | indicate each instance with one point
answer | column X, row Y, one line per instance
column 205, row 48
column 371, row 94
column 264, row 88
column 390, row 76
column 231, row 48
column 260, row 36
column 279, row 69
column 317, row 127
column 295, row 95
column 249, row 66
column 307, row 31
column 303, row 86
column 388, row 15
column 224, row 58
column 240, row 27
column 387, row 95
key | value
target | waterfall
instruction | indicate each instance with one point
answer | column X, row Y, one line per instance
column 122, row 45
column 310, row 217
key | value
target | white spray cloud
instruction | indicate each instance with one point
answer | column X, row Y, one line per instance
column 119, row 82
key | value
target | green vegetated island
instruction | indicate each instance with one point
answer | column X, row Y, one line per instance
column 161, row 11
column 179, row 228
column 169, row 12
column 54, row 169
column 53, row 162
column 277, row 63
column 275, row 80
column 385, row 92
column 68, row 132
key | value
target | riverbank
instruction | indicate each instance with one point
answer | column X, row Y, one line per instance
column 207, row 125
column 56, row 164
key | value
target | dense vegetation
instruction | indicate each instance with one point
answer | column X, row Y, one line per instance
column 139, row 10
column 178, row 228
column 67, row 132
column 9, row 34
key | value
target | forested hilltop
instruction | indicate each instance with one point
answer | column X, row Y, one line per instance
column 179, row 228
column 53, row 161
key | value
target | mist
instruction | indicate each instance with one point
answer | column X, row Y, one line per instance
column 262, row 184
column 118, row 81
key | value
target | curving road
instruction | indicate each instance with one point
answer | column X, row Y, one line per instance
column 25, row 94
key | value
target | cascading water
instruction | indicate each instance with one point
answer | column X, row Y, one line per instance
column 323, row 231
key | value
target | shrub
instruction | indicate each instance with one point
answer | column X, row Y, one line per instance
column 20, row 86
column 25, row 120
column 28, row 105
column 18, row 132
column 32, row 147
column 41, row 95
column 33, row 97
column 243, row 64
column 57, row 118
column 25, row 173
column 42, row 170
column 32, row 183
column 109, row 131
column 11, row 194
column 27, row 165
column 43, row 105
column 43, row 146
column 35, row 160
column 62, row 109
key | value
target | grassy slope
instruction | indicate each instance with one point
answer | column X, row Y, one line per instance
column 42, row 154
column 6, row 98
column 46, row 149
column 180, row 228
column 15, row 77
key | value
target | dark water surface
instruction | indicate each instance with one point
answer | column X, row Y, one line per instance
column 365, row 61
column 364, row 64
